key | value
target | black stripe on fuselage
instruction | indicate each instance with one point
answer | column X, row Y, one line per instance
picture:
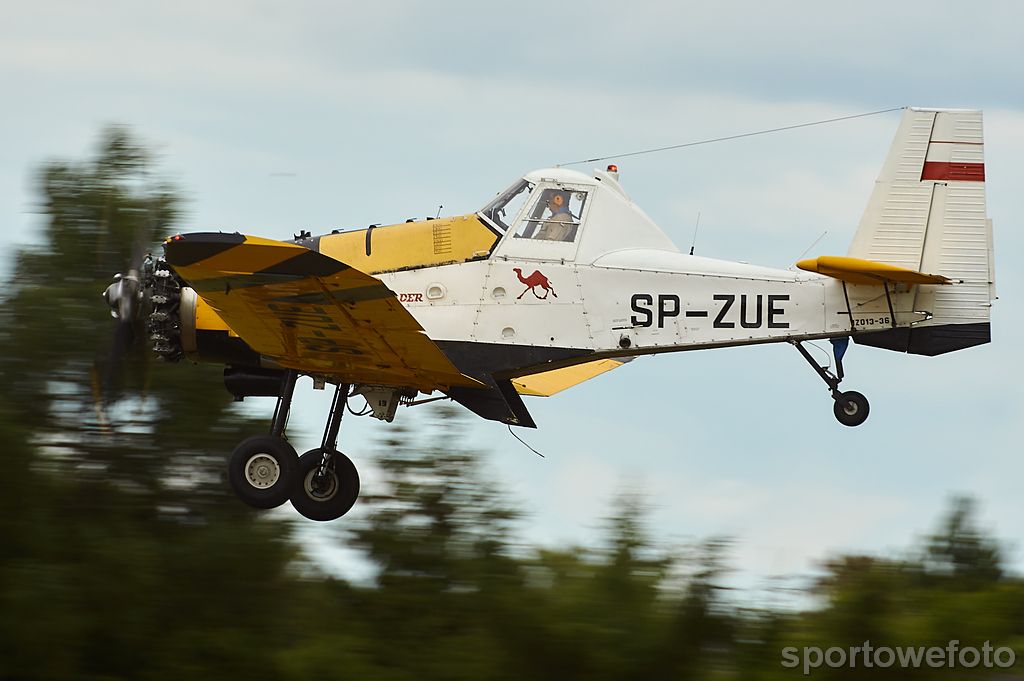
column 507, row 361
column 929, row 340
column 496, row 364
column 222, row 348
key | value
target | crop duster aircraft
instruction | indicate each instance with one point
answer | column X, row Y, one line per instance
column 558, row 279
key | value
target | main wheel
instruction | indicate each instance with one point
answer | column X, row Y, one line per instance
column 851, row 408
column 330, row 497
column 262, row 471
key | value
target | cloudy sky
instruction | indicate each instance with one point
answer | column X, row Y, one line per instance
column 276, row 117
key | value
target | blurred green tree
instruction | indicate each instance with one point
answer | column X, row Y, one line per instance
column 960, row 550
column 123, row 554
column 952, row 587
column 440, row 538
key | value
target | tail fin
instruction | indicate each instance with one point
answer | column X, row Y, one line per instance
column 927, row 213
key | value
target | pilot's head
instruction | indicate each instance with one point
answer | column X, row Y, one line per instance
column 557, row 201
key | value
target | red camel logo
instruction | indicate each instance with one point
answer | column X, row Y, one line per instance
column 533, row 281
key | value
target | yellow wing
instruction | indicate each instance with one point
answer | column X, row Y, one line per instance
column 310, row 312
column 859, row 271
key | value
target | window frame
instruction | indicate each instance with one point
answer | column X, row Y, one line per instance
column 511, row 192
column 522, row 248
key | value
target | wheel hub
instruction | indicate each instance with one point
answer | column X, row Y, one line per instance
column 321, row 487
column 262, row 471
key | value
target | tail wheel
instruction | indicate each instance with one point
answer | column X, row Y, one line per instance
column 851, row 408
column 262, row 471
column 328, row 496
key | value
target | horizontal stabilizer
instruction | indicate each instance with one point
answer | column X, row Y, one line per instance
column 859, row 271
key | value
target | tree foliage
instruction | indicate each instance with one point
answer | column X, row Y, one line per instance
column 122, row 550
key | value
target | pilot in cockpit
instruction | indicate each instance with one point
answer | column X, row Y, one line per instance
column 558, row 225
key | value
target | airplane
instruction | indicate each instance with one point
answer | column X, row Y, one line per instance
column 560, row 278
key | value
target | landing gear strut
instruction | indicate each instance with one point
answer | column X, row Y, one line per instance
column 851, row 407
column 265, row 471
column 327, row 483
column 263, row 468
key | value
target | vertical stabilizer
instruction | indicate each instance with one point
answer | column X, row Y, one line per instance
column 927, row 213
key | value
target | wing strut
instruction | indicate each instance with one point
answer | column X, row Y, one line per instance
column 284, row 403
column 888, row 299
column 849, row 308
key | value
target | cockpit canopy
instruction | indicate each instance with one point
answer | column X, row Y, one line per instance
column 554, row 216
column 560, row 214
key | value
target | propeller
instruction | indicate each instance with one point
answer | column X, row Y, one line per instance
column 137, row 208
column 128, row 299
column 124, row 296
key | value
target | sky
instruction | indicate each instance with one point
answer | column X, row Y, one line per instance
column 273, row 117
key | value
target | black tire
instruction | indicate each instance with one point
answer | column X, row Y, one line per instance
column 262, row 471
column 340, row 495
column 851, row 408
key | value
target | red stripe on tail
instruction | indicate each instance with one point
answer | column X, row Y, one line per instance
column 941, row 170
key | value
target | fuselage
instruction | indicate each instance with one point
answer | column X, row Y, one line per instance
column 634, row 301
column 615, row 286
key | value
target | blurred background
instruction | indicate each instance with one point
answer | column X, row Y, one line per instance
column 694, row 515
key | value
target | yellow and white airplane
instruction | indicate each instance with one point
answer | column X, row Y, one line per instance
column 558, row 279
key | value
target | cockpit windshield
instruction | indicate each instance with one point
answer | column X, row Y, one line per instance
column 506, row 206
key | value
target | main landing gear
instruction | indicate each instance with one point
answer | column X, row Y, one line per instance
column 850, row 408
column 327, row 483
column 265, row 471
column 262, row 468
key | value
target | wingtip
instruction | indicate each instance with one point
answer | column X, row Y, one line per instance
column 182, row 250
column 808, row 264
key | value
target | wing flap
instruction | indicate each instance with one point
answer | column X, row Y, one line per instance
column 859, row 271
column 310, row 312
column 548, row 383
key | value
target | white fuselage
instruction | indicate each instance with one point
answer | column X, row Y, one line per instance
column 619, row 286
column 634, row 301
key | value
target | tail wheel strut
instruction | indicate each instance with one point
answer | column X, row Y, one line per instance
column 850, row 408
